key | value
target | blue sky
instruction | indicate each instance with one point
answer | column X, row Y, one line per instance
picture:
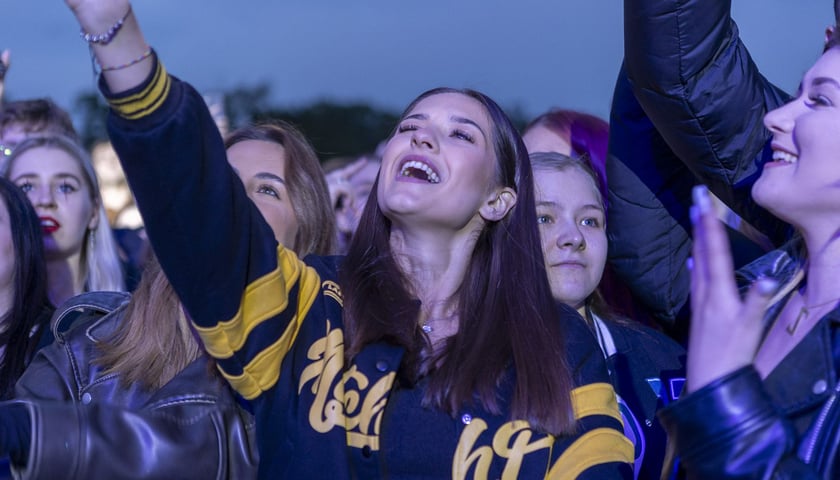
column 526, row 54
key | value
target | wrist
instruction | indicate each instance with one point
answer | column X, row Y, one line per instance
column 106, row 36
column 98, row 18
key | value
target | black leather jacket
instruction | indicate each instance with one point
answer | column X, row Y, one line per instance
column 84, row 425
column 783, row 427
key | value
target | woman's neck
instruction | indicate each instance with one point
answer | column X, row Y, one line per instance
column 435, row 264
column 822, row 268
column 64, row 279
column 434, row 261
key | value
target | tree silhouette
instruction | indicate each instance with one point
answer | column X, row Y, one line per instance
column 334, row 128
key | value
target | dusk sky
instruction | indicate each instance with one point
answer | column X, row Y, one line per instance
column 526, row 54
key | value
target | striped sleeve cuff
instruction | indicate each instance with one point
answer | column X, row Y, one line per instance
column 143, row 100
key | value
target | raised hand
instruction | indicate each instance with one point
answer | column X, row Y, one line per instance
column 725, row 329
column 97, row 16
column 113, row 32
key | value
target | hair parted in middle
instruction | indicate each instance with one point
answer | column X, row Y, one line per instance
column 506, row 312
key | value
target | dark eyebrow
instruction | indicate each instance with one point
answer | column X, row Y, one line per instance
column 454, row 118
column 467, row 121
column 262, row 176
column 270, row 176
column 825, row 80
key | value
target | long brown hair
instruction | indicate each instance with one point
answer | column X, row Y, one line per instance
column 507, row 317
column 155, row 342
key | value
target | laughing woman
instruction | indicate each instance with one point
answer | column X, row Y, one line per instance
column 423, row 353
column 763, row 381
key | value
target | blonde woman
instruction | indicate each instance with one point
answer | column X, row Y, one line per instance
column 57, row 175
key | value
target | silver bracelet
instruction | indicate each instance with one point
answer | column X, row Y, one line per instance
column 105, row 38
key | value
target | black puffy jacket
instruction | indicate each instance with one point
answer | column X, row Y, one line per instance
column 688, row 108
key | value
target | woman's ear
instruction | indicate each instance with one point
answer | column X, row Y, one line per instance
column 499, row 205
column 94, row 218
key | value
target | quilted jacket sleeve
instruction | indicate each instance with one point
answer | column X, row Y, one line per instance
column 695, row 79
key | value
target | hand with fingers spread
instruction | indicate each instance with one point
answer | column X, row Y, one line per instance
column 725, row 329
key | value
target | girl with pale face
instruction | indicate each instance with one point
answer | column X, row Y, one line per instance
column 57, row 188
column 570, row 212
column 57, row 177
column 572, row 222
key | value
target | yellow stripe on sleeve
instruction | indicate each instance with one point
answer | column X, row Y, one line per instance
column 263, row 371
column 602, row 445
column 595, row 399
column 264, row 298
column 146, row 101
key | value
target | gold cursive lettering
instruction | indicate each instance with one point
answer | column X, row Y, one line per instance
column 515, row 451
column 349, row 402
column 511, row 441
column 482, row 456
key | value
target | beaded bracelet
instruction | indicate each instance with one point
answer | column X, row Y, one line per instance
column 105, row 38
column 111, row 68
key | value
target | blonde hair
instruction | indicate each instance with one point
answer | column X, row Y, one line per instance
column 100, row 265
column 154, row 341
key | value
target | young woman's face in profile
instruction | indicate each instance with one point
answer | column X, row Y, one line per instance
column 540, row 138
column 55, row 184
column 261, row 166
column 804, row 176
column 572, row 225
column 440, row 166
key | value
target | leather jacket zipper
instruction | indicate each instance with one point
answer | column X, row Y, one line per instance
column 806, row 450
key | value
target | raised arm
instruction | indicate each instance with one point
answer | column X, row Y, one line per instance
column 649, row 196
column 696, row 81
column 111, row 29
column 213, row 244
